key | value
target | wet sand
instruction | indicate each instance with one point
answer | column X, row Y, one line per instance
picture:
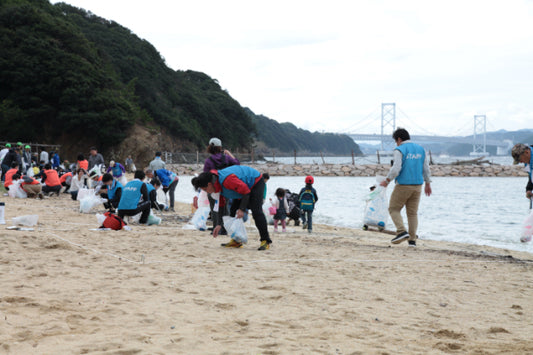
column 166, row 290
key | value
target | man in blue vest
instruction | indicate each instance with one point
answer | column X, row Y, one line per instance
column 114, row 192
column 410, row 169
column 135, row 198
column 245, row 185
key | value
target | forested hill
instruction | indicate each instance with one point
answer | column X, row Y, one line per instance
column 70, row 77
column 286, row 137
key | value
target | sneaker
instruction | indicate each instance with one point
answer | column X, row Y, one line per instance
column 232, row 244
column 172, row 209
column 400, row 238
column 309, row 231
column 284, row 230
column 264, row 245
column 412, row 243
column 40, row 195
column 166, row 208
column 304, row 226
column 276, row 230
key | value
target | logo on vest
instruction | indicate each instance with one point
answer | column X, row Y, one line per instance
column 413, row 156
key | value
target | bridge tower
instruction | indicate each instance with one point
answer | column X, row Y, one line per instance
column 479, row 147
column 388, row 120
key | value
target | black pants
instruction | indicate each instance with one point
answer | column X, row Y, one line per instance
column 255, row 203
column 110, row 203
column 171, row 190
column 143, row 207
column 47, row 189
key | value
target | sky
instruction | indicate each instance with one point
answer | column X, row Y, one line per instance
column 329, row 65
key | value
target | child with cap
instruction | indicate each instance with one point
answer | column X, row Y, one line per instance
column 308, row 198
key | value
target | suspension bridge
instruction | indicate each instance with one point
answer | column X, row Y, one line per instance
column 478, row 139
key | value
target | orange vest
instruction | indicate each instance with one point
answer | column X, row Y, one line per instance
column 64, row 177
column 84, row 164
column 9, row 177
column 52, row 179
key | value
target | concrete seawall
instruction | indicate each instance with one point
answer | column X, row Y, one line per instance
column 275, row 169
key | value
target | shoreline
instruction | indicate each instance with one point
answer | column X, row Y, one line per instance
column 365, row 170
column 164, row 289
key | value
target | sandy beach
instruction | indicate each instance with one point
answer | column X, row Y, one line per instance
column 165, row 290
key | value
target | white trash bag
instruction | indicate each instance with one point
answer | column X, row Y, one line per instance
column 199, row 219
column 16, row 191
column 236, row 229
column 87, row 203
column 27, row 220
column 377, row 206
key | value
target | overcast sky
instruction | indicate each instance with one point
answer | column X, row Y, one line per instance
column 329, row 65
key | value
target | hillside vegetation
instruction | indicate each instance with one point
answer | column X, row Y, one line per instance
column 69, row 76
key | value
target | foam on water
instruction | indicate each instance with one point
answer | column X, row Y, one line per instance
column 473, row 210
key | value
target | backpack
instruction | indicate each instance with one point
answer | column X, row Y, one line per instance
column 113, row 221
column 307, row 200
column 224, row 163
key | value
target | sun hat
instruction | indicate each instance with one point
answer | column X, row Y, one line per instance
column 309, row 179
column 517, row 151
column 215, row 142
column 27, row 147
column 19, row 143
column 8, row 145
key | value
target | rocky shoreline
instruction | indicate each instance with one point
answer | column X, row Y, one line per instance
column 276, row 169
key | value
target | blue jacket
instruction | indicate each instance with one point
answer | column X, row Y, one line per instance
column 413, row 156
column 131, row 195
column 166, row 176
column 55, row 161
column 244, row 173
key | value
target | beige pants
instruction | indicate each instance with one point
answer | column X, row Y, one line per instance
column 408, row 196
column 32, row 190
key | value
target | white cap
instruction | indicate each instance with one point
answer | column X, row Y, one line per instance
column 112, row 163
column 215, row 142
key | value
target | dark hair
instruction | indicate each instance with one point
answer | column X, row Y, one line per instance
column 266, row 176
column 211, row 149
column 14, row 164
column 107, row 177
column 48, row 166
column 139, row 174
column 280, row 192
column 80, row 156
column 202, row 180
column 157, row 154
column 402, row 134
column 93, row 148
column 16, row 176
column 155, row 181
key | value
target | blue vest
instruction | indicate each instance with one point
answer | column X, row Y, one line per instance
column 244, row 173
column 131, row 195
column 112, row 190
column 116, row 171
column 150, row 188
column 413, row 156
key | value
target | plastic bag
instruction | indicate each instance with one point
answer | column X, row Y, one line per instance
column 203, row 201
column 272, row 210
column 84, row 192
column 153, row 219
column 27, row 220
column 87, row 203
column 527, row 229
column 236, row 229
column 16, row 191
column 199, row 219
column 100, row 218
column 377, row 206
column 268, row 216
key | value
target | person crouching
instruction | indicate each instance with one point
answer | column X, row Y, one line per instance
column 135, row 198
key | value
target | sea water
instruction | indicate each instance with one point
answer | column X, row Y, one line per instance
column 474, row 210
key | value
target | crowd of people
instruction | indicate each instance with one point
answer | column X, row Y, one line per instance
column 232, row 189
